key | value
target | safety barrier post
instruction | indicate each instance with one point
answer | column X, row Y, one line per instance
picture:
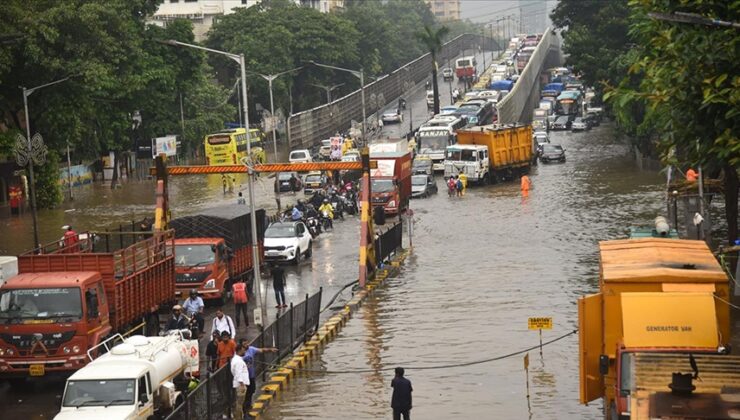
column 262, row 355
column 292, row 331
column 318, row 310
column 305, row 319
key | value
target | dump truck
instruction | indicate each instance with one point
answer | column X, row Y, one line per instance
column 663, row 300
column 490, row 153
column 136, row 378
column 67, row 299
column 213, row 250
column 391, row 181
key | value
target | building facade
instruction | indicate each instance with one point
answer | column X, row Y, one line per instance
column 323, row 6
column 445, row 10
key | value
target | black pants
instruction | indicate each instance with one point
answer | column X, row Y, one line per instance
column 398, row 413
column 241, row 308
column 280, row 296
column 250, row 393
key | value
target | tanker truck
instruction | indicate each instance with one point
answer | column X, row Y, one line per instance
column 134, row 379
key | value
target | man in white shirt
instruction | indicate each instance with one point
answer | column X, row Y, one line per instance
column 241, row 381
column 223, row 323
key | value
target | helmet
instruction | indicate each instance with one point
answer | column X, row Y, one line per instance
column 193, row 292
column 326, row 200
column 300, row 201
column 177, row 308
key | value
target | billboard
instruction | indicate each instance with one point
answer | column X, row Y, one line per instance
column 166, row 145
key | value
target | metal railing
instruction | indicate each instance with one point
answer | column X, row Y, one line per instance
column 214, row 398
column 388, row 243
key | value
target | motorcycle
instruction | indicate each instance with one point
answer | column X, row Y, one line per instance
column 193, row 325
column 350, row 204
column 338, row 205
column 314, row 228
column 326, row 222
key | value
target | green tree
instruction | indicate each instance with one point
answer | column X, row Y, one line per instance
column 689, row 89
column 433, row 40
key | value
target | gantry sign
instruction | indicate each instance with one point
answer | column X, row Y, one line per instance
column 367, row 241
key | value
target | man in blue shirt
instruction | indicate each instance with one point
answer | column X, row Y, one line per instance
column 401, row 400
column 296, row 214
column 248, row 357
column 194, row 305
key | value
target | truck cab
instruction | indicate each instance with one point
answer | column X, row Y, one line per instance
column 49, row 320
column 470, row 159
column 202, row 264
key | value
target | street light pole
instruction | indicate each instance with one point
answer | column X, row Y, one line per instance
column 359, row 74
column 29, row 148
column 260, row 317
column 270, row 78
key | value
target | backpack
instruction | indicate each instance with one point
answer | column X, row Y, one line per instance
column 459, row 185
column 240, row 292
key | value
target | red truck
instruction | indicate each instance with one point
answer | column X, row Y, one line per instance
column 391, row 181
column 214, row 249
column 67, row 299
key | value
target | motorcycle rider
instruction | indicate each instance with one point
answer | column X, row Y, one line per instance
column 329, row 209
column 336, row 198
column 301, row 206
column 194, row 305
column 317, row 198
column 296, row 214
column 178, row 321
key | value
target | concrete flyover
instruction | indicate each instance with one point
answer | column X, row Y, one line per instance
column 519, row 104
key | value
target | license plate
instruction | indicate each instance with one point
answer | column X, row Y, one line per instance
column 36, row 370
column 273, row 253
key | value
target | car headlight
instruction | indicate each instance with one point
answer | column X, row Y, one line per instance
column 392, row 203
column 210, row 284
column 10, row 352
column 75, row 348
column 2, row 351
column 66, row 350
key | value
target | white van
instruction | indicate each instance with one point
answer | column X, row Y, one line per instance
column 300, row 156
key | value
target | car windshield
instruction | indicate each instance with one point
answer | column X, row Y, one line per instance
column 419, row 180
column 297, row 155
column 437, row 141
column 313, row 178
column 552, row 148
column 280, row 230
column 284, row 176
column 350, row 158
column 562, row 120
column 422, row 163
column 382, row 185
column 193, row 255
column 40, row 303
column 99, row 393
column 462, row 155
column 578, row 120
column 470, row 106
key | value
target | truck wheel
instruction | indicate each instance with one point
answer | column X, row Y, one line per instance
column 309, row 253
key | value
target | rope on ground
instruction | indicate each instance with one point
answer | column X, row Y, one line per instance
column 432, row 367
column 727, row 302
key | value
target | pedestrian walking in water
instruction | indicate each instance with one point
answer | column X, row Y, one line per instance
column 239, row 292
column 451, row 186
column 401, row 400
column 459, row 185
column 464, row 181
column 278, row 285
column 240, row 199
column 525, row 185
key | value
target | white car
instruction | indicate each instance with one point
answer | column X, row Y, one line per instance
column 351, row 156
column 300, row 156
column 392, row 117
column 287, row 241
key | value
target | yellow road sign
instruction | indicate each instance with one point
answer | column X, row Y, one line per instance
column 540, row 323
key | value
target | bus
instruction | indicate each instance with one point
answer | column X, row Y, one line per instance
column 523, row 58
column 435, row 135
column 569, row 103
column 228, row 147
column 465, row 67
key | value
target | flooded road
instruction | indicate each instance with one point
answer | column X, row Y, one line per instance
column 482, row 264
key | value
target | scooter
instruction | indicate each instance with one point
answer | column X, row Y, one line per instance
column 338, row 205
column 350, row 205
column 326, row 222
column 314, row 228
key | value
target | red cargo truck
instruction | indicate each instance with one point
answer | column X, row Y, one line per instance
column 66, row 300
column 214, row 249
column 391, row 181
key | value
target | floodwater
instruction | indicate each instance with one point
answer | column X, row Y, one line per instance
column 481, row 265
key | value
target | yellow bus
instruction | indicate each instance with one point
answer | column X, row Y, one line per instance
column 228, row 147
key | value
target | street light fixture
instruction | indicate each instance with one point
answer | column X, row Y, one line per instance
column 328, row 89
column 360, row 75
column 239, row 58
column 270, row 78
column 27, row 152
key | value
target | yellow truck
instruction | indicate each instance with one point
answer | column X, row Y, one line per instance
column 653, row 343
column 490, row 153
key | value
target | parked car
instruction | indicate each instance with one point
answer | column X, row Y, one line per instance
column 552, row 153
column 300, row 156
column 392, row 117
column 561, row 123
column 313, row 182
column 579, row 125
column 421, row 165
column 423, row 186
column 287, row 241
column 283, row 180
column 541, row 138
column 592, row 119
column 447, row 74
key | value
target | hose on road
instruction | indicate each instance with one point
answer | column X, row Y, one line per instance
column 430, row 367
column 336, row 295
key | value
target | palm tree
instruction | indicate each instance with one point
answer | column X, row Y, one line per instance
column 433, row 40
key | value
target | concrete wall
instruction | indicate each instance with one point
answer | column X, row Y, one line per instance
column 519, row 104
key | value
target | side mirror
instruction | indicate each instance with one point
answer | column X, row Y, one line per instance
column 603, row 364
